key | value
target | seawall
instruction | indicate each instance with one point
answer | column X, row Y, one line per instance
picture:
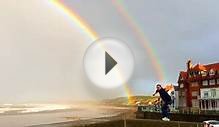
column 143, row 123
column 177, row 116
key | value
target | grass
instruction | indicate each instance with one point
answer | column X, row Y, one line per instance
column 125, row 101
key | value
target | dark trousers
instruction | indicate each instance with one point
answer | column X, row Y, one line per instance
column 165, row 109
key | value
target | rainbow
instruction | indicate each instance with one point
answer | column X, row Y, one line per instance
column 69, row 12
column 84, row 26
column 140, row 36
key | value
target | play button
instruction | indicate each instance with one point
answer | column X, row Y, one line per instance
column 108, row 63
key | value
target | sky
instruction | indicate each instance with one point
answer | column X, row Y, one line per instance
column 41, row 50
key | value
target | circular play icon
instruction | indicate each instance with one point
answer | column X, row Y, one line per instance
column 108, row 63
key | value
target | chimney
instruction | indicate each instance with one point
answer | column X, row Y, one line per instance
column 189, row 64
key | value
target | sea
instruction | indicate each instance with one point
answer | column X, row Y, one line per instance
column 24, row 115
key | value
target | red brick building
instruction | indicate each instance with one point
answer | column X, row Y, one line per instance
column 199, row 87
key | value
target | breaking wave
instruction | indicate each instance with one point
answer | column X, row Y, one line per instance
column 30, row 108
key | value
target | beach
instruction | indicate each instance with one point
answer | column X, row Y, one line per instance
column 53, row 115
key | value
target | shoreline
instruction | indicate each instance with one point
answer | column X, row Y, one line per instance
column 86, row 113
column 82, row 122
column 111, row 113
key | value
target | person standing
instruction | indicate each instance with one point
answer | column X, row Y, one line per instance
column 166, row 101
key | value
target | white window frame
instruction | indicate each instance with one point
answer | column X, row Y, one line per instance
column 181, row 85
column 205, row 82
column 212, row 82
column 211, row 72
column 213, row 93
column 204, row 73
column 205, row 92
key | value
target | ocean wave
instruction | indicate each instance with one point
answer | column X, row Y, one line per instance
column 30, row 108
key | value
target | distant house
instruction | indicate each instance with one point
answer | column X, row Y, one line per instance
column 199, row 87
column 176, row 97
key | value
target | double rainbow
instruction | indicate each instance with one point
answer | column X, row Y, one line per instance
column 140, row 36
column 87, row 29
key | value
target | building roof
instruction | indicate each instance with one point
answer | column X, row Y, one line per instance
column 214, row 66
column 207, row 67
column 199, row 67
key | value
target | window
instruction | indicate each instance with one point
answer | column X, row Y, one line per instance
column 195, row 103
column 183, row 94
column 213, row 92
column 181, row 85
column 212, row 72
column 212, row 82
column 205, row 83
column 206, row 104
column 194, row 73
column 190, row 74
column 213, row 104
column 203, row 73
column 194, row 93
column 206, row 94
column 182, row 101
column 203, row 104
column 194, row 84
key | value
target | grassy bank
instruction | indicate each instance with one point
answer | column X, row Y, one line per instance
column 125, row 101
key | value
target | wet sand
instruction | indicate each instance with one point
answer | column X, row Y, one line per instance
column 119, row 121
column 116, row 114
column 63, row 117
column 81, row 122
